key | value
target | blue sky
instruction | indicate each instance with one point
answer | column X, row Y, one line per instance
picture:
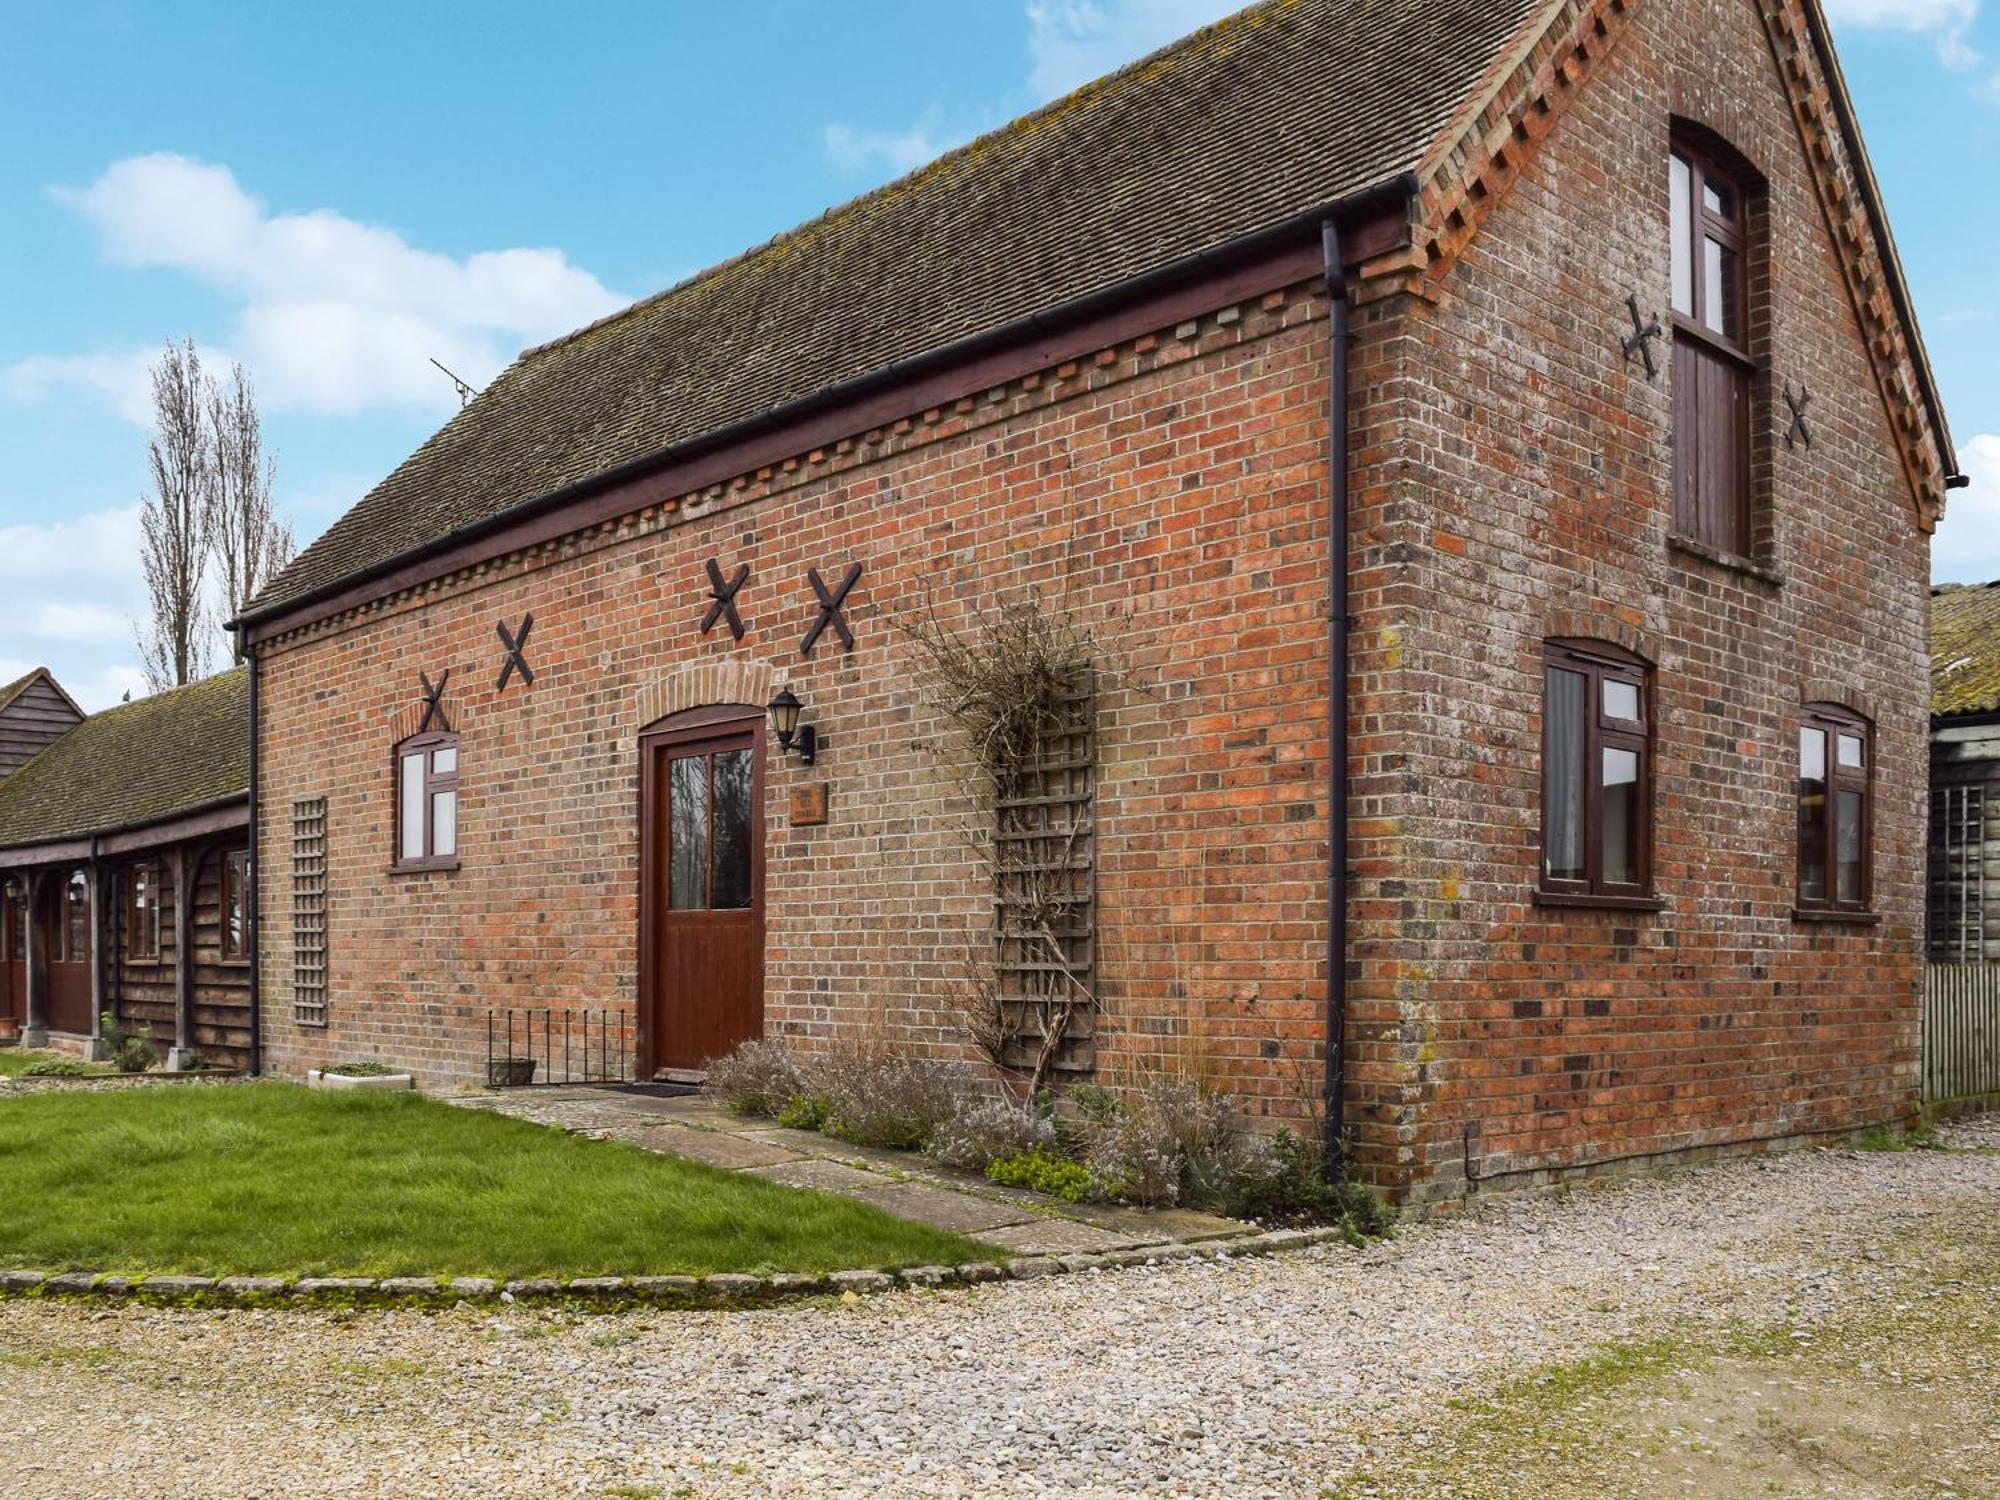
column 334, row 194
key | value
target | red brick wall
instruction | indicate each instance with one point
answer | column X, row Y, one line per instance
column 1529, row 484
column 1171, row 491
column 1511, row 482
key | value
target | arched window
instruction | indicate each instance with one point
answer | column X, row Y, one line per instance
column 1713, row 365
column 427, row 802
column 1597, row 831
column 1835, row 813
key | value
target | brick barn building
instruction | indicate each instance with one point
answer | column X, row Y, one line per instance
column 1606, row 580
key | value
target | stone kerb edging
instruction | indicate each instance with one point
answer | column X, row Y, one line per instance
column 723, row 1290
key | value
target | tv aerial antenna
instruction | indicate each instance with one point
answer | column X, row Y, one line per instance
column 465, row 392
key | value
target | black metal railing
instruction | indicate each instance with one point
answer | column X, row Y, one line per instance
column 552, row 1046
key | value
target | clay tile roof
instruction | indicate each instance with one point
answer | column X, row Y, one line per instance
column 1965, row 649
column 135, row 764
column 1273, row 113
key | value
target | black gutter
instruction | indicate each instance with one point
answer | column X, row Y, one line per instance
column 256, row 879
column 1339, row 626
column 1197, row 267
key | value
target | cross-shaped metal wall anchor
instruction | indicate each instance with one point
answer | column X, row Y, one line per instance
column 434, row 702
column 1800, row 430
column 515, row 643
column 723, row 596
column 829, row 610
column 1644, row 331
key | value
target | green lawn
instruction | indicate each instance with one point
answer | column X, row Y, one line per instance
column 14, row 1062
column 273, row 1178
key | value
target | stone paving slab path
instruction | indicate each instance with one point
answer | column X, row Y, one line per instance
column 901, row 1183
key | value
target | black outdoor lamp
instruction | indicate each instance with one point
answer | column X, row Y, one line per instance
column 785, row 710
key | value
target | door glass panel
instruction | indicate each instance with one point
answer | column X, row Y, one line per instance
column 1621, row 817
column 444, row 824
column 16, row 915
column 1847, row 848
column 413, row 806
column 1680, row 177
column 445, row 760
column 1812, row 814
column 1850, row 751
column 1562, row 777
column 1719, row 280
column 687, row 833
column 732, row 830
column 1621, row 700
column 78, row 912
column 1718, row 199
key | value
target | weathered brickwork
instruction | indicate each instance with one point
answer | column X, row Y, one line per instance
column 1530, row 483
column 1169, row 494
column 1511, row 482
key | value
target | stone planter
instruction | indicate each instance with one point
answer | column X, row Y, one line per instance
column 318, row 1079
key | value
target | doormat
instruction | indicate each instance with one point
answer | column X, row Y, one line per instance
column 655, row 1090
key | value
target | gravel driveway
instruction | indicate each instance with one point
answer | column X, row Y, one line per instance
column 1298, row 1375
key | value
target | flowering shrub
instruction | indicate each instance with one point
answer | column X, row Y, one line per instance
column 758, row 1078
column 984, row 1131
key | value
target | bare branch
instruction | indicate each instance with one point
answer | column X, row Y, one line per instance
column 174, row 521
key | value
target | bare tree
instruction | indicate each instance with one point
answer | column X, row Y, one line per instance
column 248, row 541
column 173, row 642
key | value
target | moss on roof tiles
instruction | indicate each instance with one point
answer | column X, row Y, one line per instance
column 1274, row 112
column 135, row 764
column 1965, row 649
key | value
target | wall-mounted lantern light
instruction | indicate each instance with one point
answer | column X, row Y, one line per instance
column 785, row 711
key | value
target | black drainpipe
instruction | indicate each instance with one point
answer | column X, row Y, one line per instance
column 1339, row 624
column 256, row 877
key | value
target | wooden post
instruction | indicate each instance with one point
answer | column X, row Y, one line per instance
column 100, row 960
column 35, row 1030
column 186, row 866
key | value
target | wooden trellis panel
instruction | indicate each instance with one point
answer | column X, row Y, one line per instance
column 1957, row 907
column 1045, row 895
column 309, row 911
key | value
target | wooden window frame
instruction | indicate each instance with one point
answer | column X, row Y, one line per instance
column 1833, row 720
column 14, row 917
column 435, row 783
column 1598, row 662
column 235, row 888
column 67, row 927
column 143, row 937
column 1705, row 164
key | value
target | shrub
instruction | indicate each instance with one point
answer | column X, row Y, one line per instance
column 56, row 1067
column 1169, row 1141
column 1281, row 1179
column 1057, row 1176
column 985, row 1130
column 131, row 1048
column 878, row 1097
column 761, row 1077
column 805, row 1112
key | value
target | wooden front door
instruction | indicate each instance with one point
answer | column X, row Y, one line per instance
column 65, row 917
column 14, row 947
column 701, row 929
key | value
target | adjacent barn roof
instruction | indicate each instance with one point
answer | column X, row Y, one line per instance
column 135, row 764
column 1278, row 111
column 21, row 684
column 1965, row 649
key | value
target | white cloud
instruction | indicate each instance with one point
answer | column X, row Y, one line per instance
column 856, row 152
column 1071, row 42
column 1948, row 23
column 1966, row 548
column 335, row 316
column 72, row 587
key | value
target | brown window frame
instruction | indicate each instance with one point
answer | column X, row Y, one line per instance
column 235, row 892
column 435, row 783
column 142, row 936
column 1599, row 662
column 1833, row 720
column 1705, row 165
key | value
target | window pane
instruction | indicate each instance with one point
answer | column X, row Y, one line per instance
column 1847, row 847
column 444, row 760
column 17, row 920
column 1850, row 751
column 1683, row 235
column 732, row 830
column 1621, row 700
column 687, row 833
column 1719, row 284
column 1563, row 776
column 412, row 841
column 1812, row 814
column 79, row 919
column 1718, row 198
column 444, row 823
column 235, row 900
column 1621, row 817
